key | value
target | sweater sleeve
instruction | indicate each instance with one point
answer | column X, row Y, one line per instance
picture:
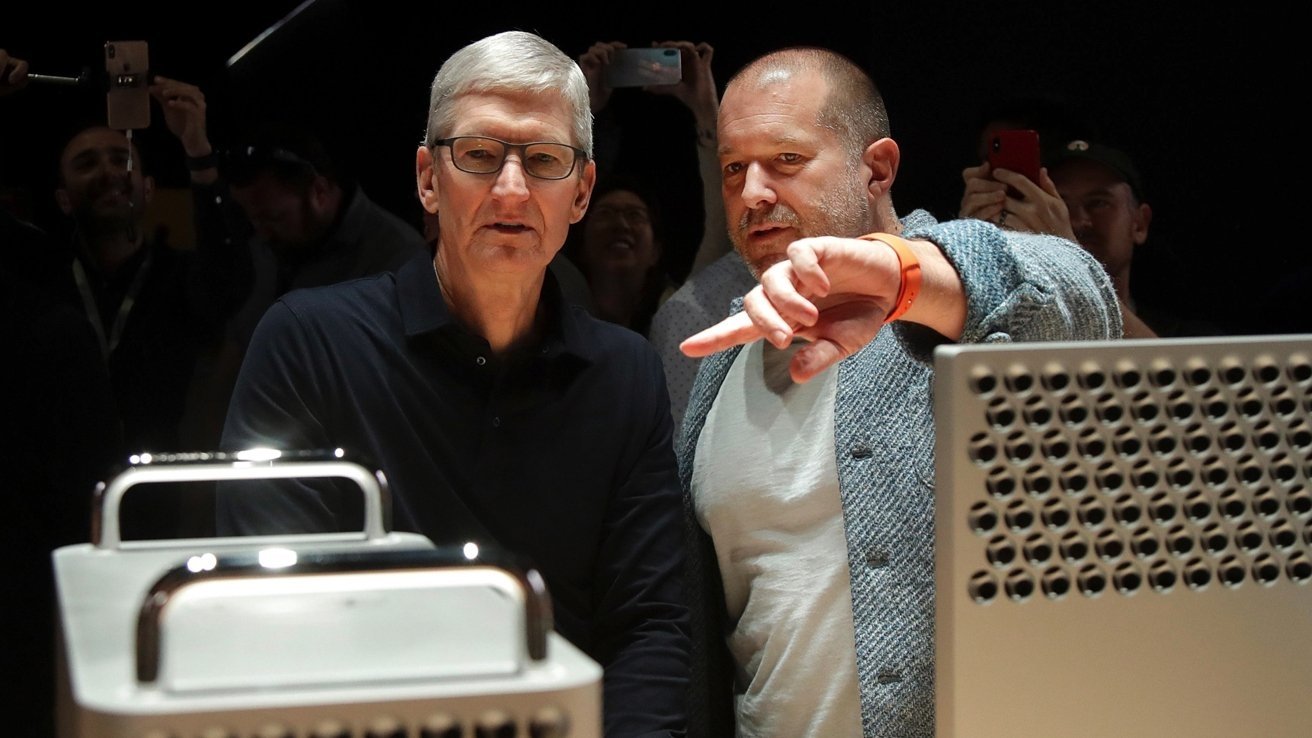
column 1024, row 287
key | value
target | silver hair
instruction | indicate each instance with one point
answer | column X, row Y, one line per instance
column 511, row 61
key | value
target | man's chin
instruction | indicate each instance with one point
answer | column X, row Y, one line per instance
column 758, row 264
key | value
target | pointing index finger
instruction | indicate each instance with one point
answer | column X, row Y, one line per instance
column 732, row 331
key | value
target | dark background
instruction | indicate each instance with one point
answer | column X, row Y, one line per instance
column 1204, row 100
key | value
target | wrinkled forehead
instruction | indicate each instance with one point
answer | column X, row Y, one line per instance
column 775, row 99
column 513, row 115
column 778, row 85
column 94, row 140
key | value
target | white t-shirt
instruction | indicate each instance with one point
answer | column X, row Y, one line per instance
column 765, row 486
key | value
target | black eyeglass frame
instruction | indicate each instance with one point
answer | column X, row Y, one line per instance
column 521, row 149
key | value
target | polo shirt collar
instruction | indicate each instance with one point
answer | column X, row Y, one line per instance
column 424, row 311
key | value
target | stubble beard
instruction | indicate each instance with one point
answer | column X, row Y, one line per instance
column 842, row 211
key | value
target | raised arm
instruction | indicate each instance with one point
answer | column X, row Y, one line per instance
column 977, row 284
column 697, row 91
column 223, row 271
column 837, row 293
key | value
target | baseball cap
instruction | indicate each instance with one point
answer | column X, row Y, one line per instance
column 1112, row 158
column 285, row 149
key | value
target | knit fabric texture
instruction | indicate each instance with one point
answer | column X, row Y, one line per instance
column 1019, row 288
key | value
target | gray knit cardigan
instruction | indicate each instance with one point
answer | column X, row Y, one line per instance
column 1019, row 287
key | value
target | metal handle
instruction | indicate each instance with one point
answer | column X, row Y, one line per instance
column 105, row 530
column 519, row 581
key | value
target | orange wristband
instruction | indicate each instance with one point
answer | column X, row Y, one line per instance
column 909, row 287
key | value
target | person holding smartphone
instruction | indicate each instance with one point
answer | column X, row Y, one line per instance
column 1013, row 201
column 1007, row 185
column 696, row 90
column 717, row 273
column 1037, row 203
column 157, row 308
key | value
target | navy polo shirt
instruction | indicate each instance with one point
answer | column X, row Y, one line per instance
column 560, row 452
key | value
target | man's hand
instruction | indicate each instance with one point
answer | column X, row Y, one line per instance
column 1039, row 209
column 984, row 197
column 184, row 112
column 593, row 63
column 833, row 292
column 696, row 89
column 13, row 73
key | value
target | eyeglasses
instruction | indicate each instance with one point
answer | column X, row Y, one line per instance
column 482, row 155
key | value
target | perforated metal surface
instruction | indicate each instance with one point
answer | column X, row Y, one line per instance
column 1143, row 473
column 1078, row 483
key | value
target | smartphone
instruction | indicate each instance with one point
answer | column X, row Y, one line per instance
column 1016, row 150
column 127, row 65
column 643, row 67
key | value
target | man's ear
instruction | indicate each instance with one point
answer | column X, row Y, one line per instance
column 1143, row 217
column 62, row 200
column 147, row 189
column 881, row 158
column 426, row 178
column 583, row 195
column 317, row 192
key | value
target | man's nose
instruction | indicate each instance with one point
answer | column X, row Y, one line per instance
column 511, row 182
column 758, row 190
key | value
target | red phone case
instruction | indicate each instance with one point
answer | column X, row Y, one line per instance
column 1016, row 151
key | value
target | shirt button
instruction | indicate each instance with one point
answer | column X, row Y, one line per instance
column 480, row 360
column 862, row 451
column 876, row 559
column 496, row 422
